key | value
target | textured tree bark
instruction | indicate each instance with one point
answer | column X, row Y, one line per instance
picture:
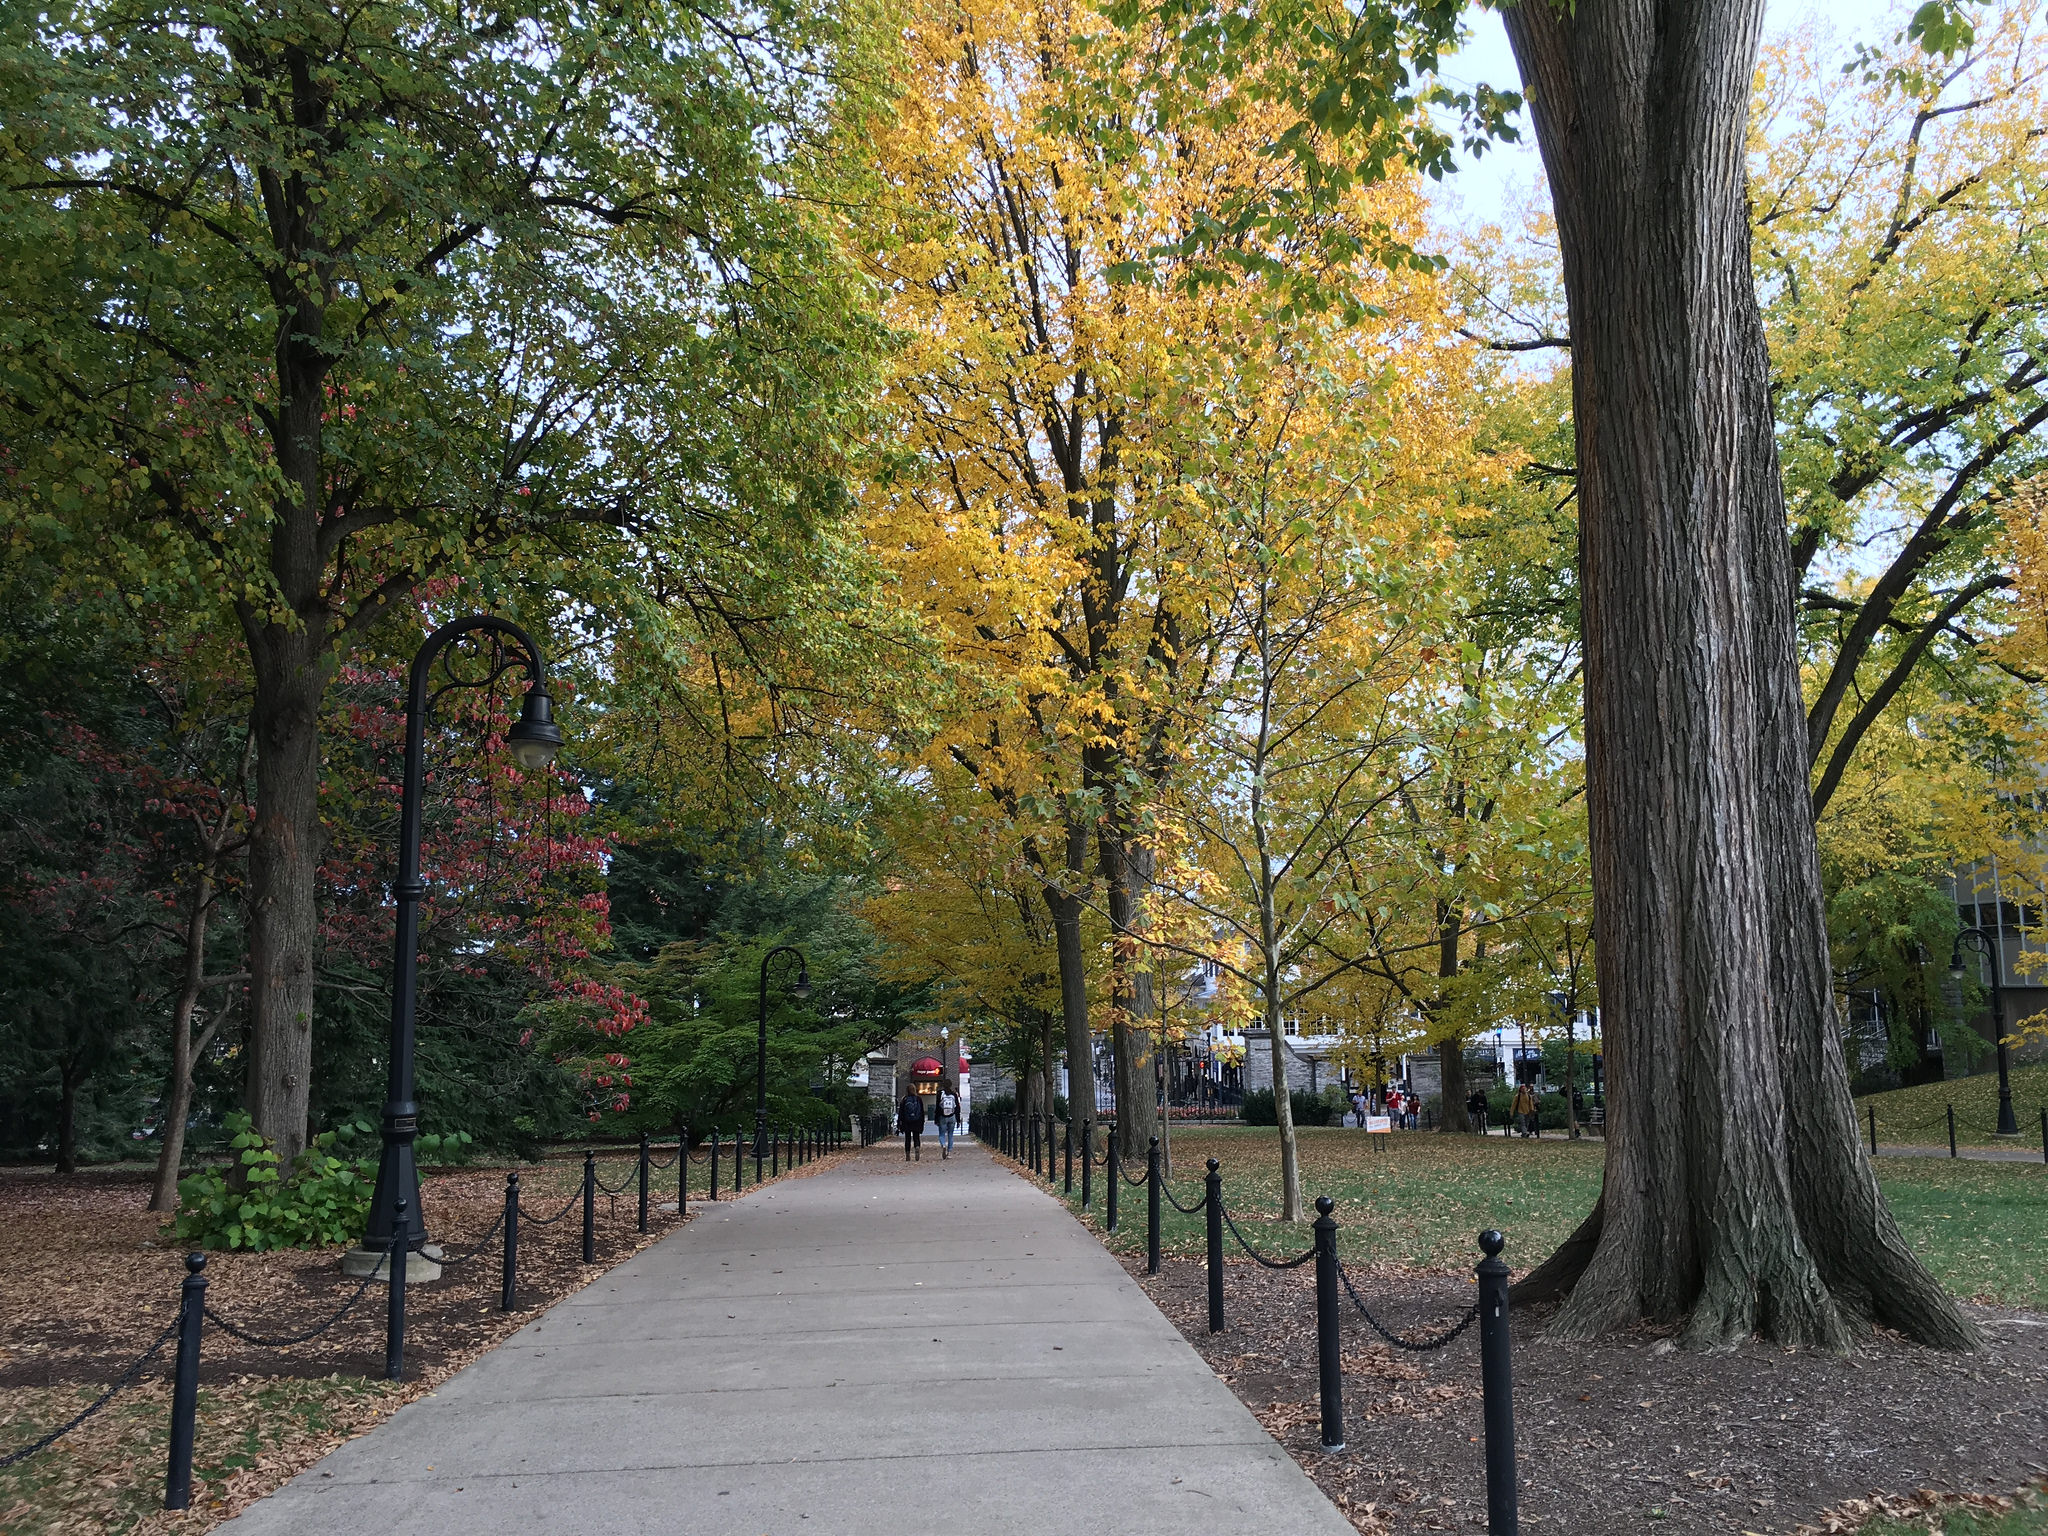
column 69, row 1076
column 1126, row 869
column 186, row 1045
column 1065, row 905
column 1737, row 1197
column 284, row 864
column 1450, row 1052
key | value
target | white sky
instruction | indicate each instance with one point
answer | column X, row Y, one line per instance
column 1480, row 190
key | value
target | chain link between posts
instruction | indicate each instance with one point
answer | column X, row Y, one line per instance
column 1418, row 1346
column 298, row 1338
column 127, row 1379
column 1294, row 1263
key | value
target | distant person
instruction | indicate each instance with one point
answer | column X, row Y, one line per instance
column 948, row 1117
column 1525, row 1109
column 910, row 1121
column 1475, row 1110
column 1394, row 1106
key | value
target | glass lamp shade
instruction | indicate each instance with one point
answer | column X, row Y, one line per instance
column 802, row 989
column 534, row 737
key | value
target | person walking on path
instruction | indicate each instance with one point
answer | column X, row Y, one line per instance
column 910, row 1121
column 948, row 1116
column 1475, row 1110
column 1525, row 1109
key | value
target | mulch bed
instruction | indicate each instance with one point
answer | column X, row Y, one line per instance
column 1624, row 1436
column 88, row 1279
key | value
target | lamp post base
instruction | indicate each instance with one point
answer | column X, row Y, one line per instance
column 421, row 1265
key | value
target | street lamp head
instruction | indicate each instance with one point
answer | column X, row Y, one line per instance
column 802, row 990
column 534, row 737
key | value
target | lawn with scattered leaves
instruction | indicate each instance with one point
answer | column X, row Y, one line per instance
column 1419, row 1200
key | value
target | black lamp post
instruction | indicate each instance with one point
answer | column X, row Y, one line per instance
column 801, row 990
column 534, row 739
column 1986, row 944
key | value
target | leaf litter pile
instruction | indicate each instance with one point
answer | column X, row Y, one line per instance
column 88, row 1279
column 1625, row 1435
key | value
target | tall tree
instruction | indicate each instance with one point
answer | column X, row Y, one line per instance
column 319, row 303
column 1737, row 1198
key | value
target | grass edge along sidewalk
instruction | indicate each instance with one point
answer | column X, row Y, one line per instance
column 246, row 1435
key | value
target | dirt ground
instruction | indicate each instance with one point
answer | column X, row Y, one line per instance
column 1625, row 1436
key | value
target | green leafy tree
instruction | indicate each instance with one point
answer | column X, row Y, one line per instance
column 315, row 312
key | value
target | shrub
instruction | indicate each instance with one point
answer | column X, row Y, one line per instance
column 1309, row 1109
column 326, row 1200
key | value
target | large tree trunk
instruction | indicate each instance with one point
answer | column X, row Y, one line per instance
column 1450, row 1051
column 284, row 862
column 1126, row 870
column 1283, row 1103
column 1065, row 905
column 1737, row 1198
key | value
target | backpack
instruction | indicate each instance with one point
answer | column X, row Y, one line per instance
column 949, row 1107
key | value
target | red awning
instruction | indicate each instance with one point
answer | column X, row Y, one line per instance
column 926, row 1066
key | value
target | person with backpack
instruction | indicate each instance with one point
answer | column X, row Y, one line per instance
column 910, row 1121
column 1475, row 1110
column 948, row 1116
column 1525, row 1109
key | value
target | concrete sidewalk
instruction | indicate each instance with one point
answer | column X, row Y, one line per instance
column 931, row 1348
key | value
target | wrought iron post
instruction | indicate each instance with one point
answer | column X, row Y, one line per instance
column 1329, row 1343
column 1116, row 1175
column 1152, row 1207
column 508, row 1282
column 185, row 1383
column 1502, row 1514
column 643, row 1181
column 1214, row 1211
column 1067, row 1150
column 589, row 1207
column 714, row 1165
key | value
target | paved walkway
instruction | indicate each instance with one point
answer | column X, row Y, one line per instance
column 924, row 1349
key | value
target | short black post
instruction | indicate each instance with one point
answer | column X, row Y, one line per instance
column 1951, row 1130
column 682, row 1171
column 643, row 1181
column 1067, row 1152
column 775, row 1152
column 1329, row 1342
column 714, row 1165
column 1213, row 1209
column 1031, row 1137
column 760, row 1154
column 398, row 1259
column 1052, row 1159
column 508, row 1282
column 1087, row 1163
column 1116, row 1175
column 185, row 1384
column 1152, row 1207
column 590, row 1207
column 1502, row 1518
column 2044, row 1135
column 1873, row 1130
column 739, row 1163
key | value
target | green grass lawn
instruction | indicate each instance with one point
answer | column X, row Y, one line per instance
column 1918, row 1115
column 2028, row 1518
column 1419, row 1200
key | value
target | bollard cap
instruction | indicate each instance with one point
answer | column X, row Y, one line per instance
column 1214, row 1165
column 1492, row 1242
column 194, row 1263
column 1155, row 1141
column 1324, row 1205
column 512, row 1179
